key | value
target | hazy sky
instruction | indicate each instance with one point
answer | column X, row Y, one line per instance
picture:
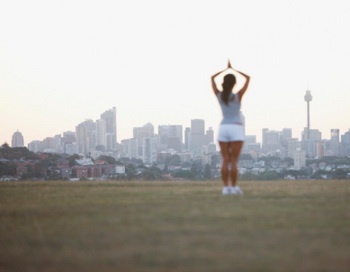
column 62, row 62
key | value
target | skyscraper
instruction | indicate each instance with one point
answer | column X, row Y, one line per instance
column 86, row 137
column 110, row 117
column 335, row 142
column 198, row 138
column 187, row 138
column 17, row 139
column 140, row 133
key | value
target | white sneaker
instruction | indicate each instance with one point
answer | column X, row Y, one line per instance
column 226, row 190
column 237, row 190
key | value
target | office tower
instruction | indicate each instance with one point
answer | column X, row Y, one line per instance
column 140, row 133
column 308, row 99
column 345, row 143
column 175, row 131
column 210, row 135
column 197, row 127
column 299, row 159
column 197, row 138
column 250, row 144
column 286, row 135
column 311, row 134
column 58, row 143
column 293, row 145
column 48, row 145
column 130, row 148
column 170, row 137
column 101, row 135
column 335, row 143
column 175, row 137
column 320, row 150
column 271, row 141
column 86, row 137
column 35, row 146
column 17, row 139
column 187, row 138
column 110, row 117
column 163, row 133
column 69, row 142
column 149, row 152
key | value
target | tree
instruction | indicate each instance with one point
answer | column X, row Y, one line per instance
column 152, row 173
column 186, row 174
column 269, row 175
column 72, row 159
column 174, row 160
column 207, row 172
column 339, row 174
column 5, row 145
column 8, row 169
column 107, row 159
column 130, row 171
column 196, row 169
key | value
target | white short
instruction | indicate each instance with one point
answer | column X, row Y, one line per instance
column 231, row 133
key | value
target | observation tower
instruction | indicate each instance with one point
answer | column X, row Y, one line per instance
column 308, row 99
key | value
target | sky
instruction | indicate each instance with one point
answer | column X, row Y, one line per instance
column 62, row 62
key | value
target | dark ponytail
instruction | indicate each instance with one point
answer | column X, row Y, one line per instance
column 227, row 86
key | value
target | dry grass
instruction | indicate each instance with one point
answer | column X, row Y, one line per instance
column 174, row 226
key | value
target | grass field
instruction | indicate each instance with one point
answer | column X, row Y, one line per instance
column 174, row 226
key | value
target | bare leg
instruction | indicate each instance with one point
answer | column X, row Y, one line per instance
column 235, row 149
column 225, row 152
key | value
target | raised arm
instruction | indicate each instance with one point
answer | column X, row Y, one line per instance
column 245, row 87
column 215, row 88
column 213, row 84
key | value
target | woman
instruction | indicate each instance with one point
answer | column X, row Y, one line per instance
column 231, row 131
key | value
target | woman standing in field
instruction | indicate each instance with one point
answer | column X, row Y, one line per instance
column 231, row 131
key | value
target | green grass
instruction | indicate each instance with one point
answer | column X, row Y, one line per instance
column 174, row 226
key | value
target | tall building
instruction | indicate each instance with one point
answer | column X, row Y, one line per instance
column 320, row 150
column 69, row 143
column 197, row 127
column 17, row 139
column 292, row 147
column 271, row 141
column 149, row 153
column 163, row 132
column 35, row 146
column 187, row 138
column 311, row 134
column 197, row 138
column 86, row 137
column 250, row 144
column 48, row 145
column 101, row 135
column 335, row 142
column 299, row 159
column 345, row 143
column 130, row 148
column 210, row 135
column 170, row 137
column 110, row 117
column 310, row 138
column 140, row 133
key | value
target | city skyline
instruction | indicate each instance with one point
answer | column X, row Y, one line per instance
column 259, row 136
column 103, row 132
column 64, row 62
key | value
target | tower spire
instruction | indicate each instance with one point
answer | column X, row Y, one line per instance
column 308, row 99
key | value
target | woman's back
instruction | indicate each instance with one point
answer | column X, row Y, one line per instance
column 232, row 110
